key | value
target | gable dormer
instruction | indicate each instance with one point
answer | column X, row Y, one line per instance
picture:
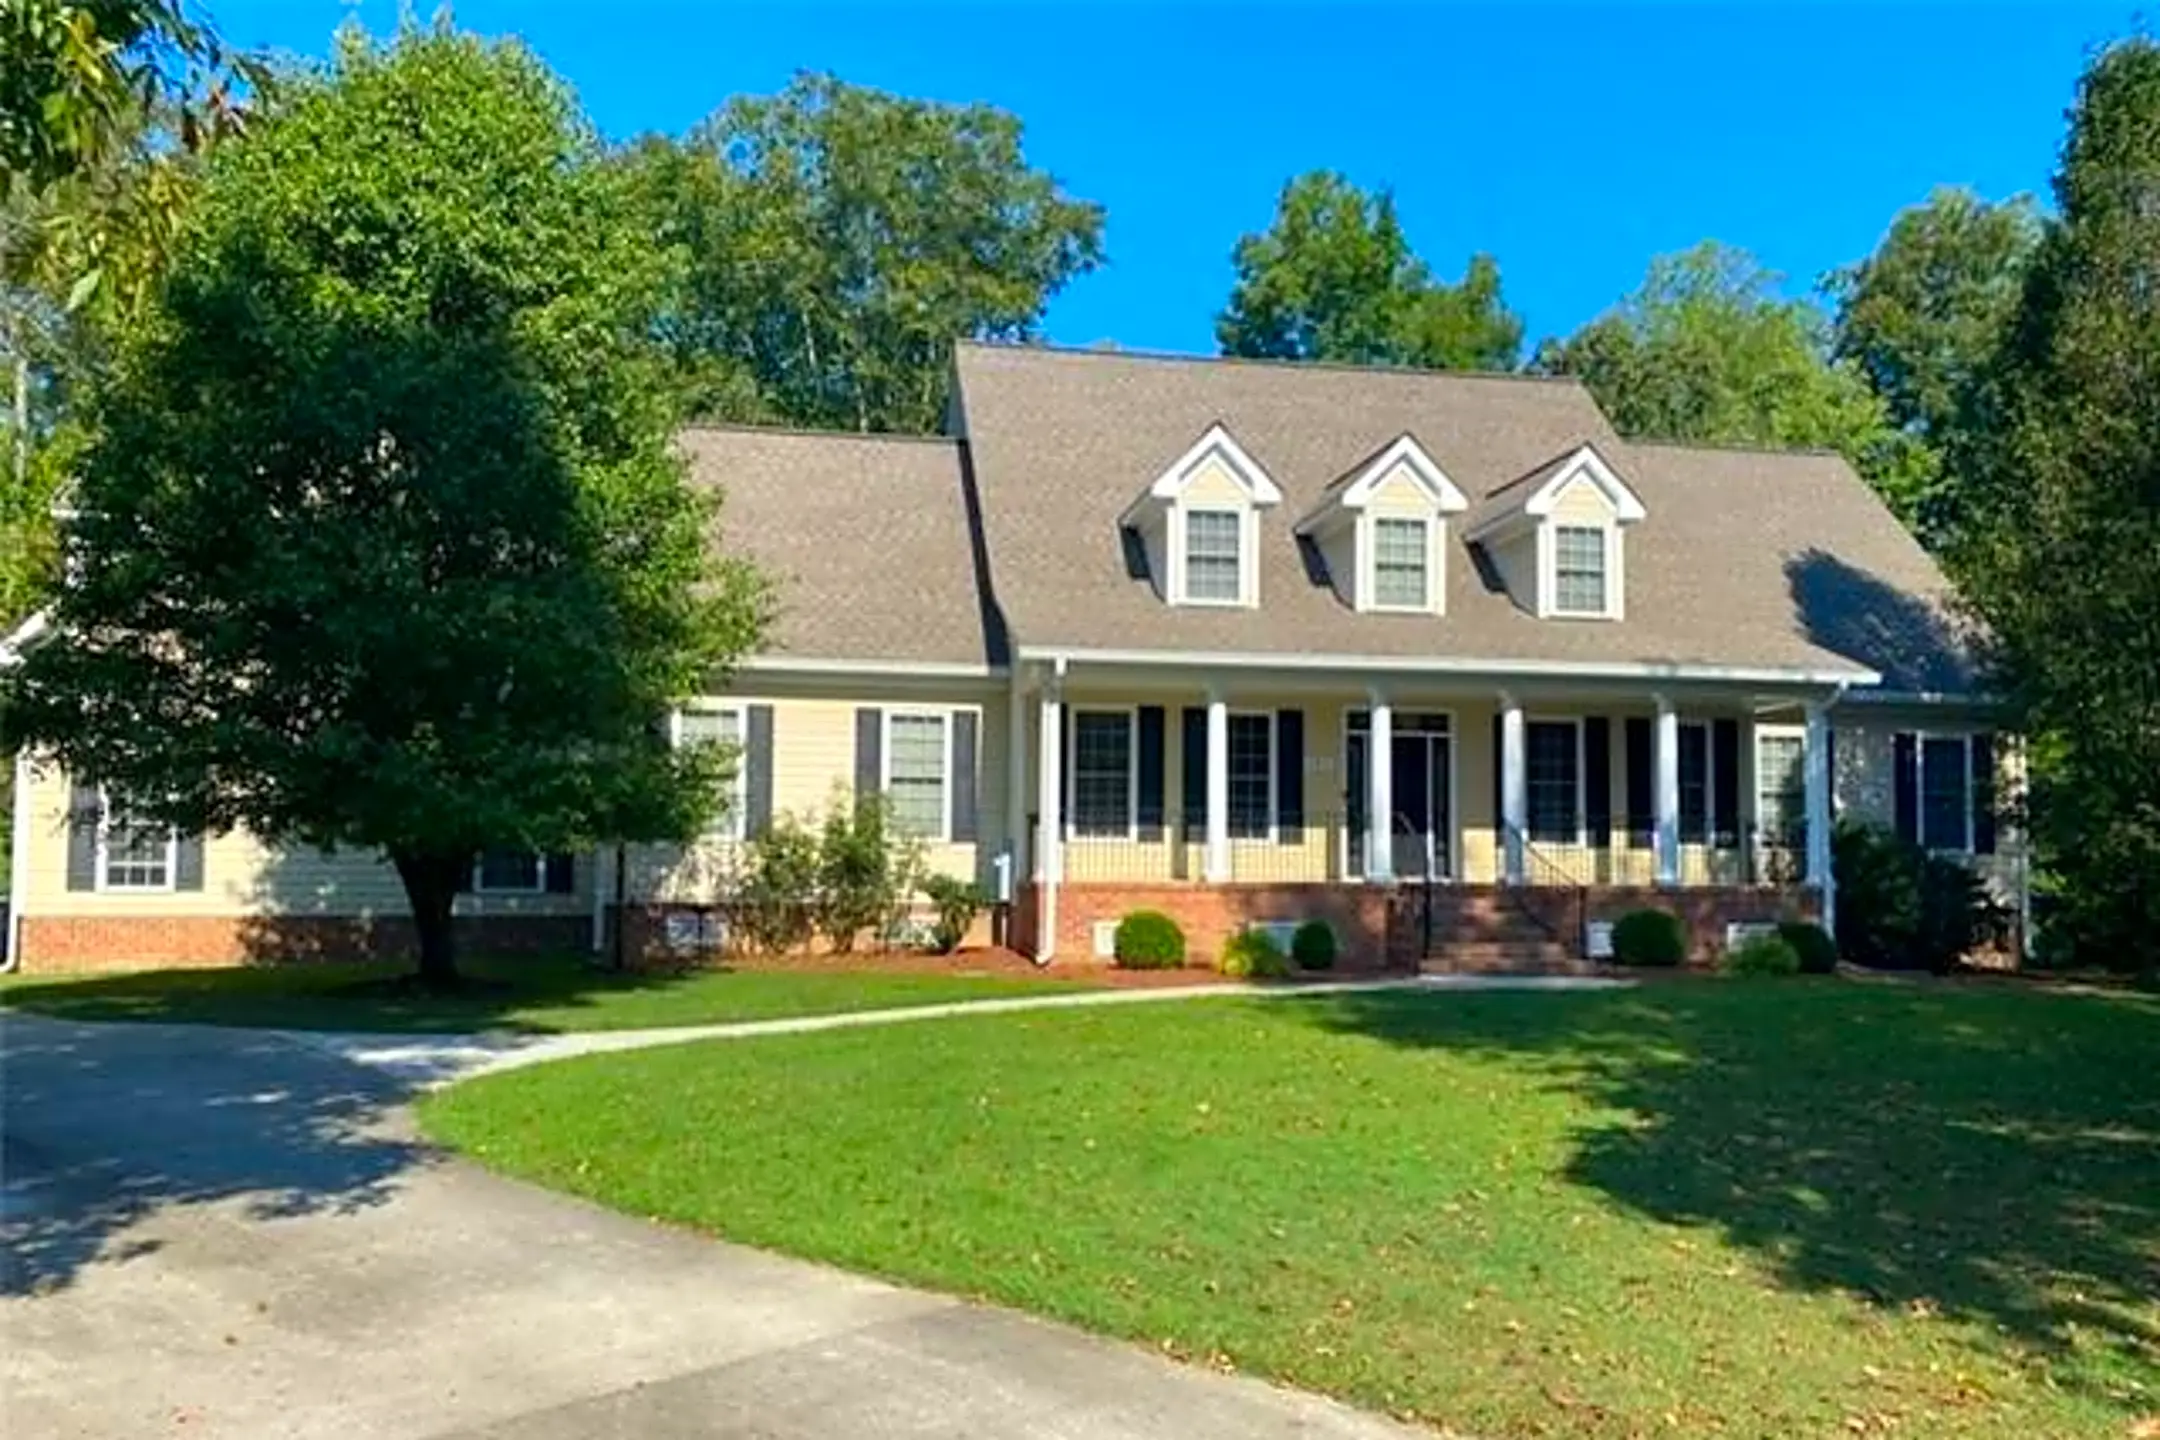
column 1381, row 531
column 1557, row 537
column 1198, row 523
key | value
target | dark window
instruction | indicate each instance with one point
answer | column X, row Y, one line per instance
column 1102, row 772
column 509, row 870
column 1945, row 784
column 1252, row 775
column 1555, row 781
column 1694, row 784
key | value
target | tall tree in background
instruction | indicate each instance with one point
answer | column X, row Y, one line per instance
column 2062, row 562
column 382, row 540
column 1923, row 317
column 839, row 239
column 1334, row 278
column 1710, row 351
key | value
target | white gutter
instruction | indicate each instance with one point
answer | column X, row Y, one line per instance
column 1462, row 665
column 921, row 669
column 18, row 866
column 1922, row 697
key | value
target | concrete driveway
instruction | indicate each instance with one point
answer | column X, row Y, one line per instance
column 228, row 1233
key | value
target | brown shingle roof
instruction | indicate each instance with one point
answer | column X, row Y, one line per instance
column 864, row 536
column 1748, row 559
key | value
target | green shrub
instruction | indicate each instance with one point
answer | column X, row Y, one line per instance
column 1253, row 955
column 773, row 909
column 866, row 871
column 1763, row 955
column 1649, row 937
column 1149, row 940
column 1313, row 946
column 1900, row 908
column 1812, row 943
column 957, row 903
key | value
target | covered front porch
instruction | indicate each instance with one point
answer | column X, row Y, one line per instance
column 1241, row 794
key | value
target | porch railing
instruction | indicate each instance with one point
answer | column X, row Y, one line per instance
column 1543, row 871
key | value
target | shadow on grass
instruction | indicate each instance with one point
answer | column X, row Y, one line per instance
column 105, row 1128
column 1990, row 1157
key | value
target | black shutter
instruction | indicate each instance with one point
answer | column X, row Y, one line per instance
column 869, row 753
column 85, row 809
column 1499, row 782
column 559, row 873
column 757, row 761
column 965, row 821
column 1597, row 780
column 1983, row 793
column 1192, row 754
column 1641, row 784
column 1150, row 773
column 1290, row 772
column 1905, row 766
column 1725, row 771
column 1694, row 746
column 188, row 862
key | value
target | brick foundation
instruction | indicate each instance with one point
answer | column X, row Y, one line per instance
column 1363, row 916
column 1704, row 911
column 74, row 943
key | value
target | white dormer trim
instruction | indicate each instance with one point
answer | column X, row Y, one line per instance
column 1446, row 496
column 1259, row 488
column 1586, row 464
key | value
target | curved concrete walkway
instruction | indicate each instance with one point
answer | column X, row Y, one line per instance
column 222, row 1232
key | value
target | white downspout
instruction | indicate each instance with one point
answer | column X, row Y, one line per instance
column 18, row 866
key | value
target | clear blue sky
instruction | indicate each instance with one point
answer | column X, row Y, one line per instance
column 1572, row 142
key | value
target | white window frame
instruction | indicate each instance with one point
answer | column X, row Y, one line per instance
column 1071, row 777
column 1181, row 553
column 1549, row 569
column 735, row 824
column 1582, row 781
column 943, row 833
column 1274, row 777
column 105, row 885
column 1369, row 561
column 1964, row 739
column 1762, row 822
column 538, row 887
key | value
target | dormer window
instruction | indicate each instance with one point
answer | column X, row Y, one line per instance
column 1381, row 528
column 1198, row 524
column 1579, row 570
column 1214, row 557
column 1556, row 537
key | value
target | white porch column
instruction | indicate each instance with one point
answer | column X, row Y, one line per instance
column 1217, row 863
column 1016, row 776
column 1668, row 792
column 1380, row 792
column 1050, row 785
column 1514, row 790
column 1817, row 758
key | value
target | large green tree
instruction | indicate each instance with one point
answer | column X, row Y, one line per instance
column 1334, row 278
column 2061, row 559
column 381, row 542
column 1709, row 350
column 1923, row 318
column 839, row 239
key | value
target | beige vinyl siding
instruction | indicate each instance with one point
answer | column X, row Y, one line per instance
column 1582, row 503
column 1399, row 494
column 1338, row 551
column 243, row 876
column 1212, row 483
column 1514, row 556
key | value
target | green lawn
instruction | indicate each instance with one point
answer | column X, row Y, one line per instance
column 1745, row 1209
column 535, row 994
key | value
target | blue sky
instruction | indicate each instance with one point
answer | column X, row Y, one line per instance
column 1573, row 142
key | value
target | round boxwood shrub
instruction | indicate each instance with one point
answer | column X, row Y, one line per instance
column 1649, row 937
column 1253, row 955
column 1313, row 947
column 1149, row 940
column 1763, row 955
column 1812, row 943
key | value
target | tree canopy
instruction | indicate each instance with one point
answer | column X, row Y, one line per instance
column 2060, row 561
column 1710, row 351
column 1334, row 278
column 380, row 538
column 839, row 239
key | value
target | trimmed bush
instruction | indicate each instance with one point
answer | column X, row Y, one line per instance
column 1253, row 955
column 1149, row 940
column 1763, row 955
column 958, row 902
column 1313, row 946
column 1900, row 908
column 1649, row 937
column 1812, row 943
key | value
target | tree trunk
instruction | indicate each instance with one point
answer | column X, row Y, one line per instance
column 431, row 887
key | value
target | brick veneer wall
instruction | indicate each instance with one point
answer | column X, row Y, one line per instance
column 72, row 943
column 1704, row 912
column 1210, row 914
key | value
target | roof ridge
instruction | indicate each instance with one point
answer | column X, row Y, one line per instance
column 807, row 432
column 1045, row 347
column 1730, row 447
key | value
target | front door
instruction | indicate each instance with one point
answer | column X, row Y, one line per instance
column 1421, row 831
